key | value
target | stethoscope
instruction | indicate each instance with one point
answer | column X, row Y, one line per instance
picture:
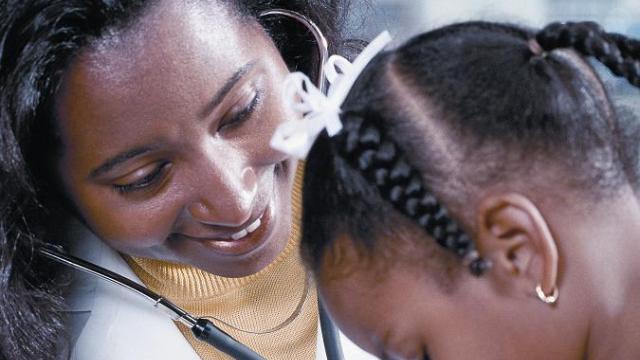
column 203, row 329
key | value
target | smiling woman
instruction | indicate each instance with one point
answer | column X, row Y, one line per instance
column 149, row 122
column 184, row 165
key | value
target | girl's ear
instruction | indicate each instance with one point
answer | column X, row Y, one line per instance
column 514, row 236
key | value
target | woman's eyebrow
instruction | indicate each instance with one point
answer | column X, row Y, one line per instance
column 231, row 82
column 117, row 160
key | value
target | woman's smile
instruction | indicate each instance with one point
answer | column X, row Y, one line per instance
column 239, row 241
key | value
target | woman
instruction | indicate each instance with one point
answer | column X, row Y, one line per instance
column 481, row 200
column 149, row 121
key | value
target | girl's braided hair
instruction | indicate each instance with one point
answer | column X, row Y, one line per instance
column 486, row 85
column 619, row 53
column 382, row 163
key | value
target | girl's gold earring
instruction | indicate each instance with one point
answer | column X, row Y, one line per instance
column 547, row 299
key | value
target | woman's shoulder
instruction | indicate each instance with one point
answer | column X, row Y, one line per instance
column 107, row 321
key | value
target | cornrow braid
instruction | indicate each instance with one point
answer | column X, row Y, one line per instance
column 381, row 162
column 617, row 52
column 629, row 47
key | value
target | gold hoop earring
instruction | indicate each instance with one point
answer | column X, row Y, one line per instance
column 547, row 299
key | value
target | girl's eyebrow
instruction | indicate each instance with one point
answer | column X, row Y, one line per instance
column 117, row 160
column 226, row 88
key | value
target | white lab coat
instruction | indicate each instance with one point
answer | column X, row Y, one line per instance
column 108, row 322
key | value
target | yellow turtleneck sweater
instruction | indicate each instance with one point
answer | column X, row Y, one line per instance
column 279, row 299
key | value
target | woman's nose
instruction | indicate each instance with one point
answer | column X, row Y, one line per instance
column 227, row 199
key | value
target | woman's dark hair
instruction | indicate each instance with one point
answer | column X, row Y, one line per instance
column 38, row 40
column 461, row 108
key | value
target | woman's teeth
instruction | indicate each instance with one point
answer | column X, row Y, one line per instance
column 248, row 230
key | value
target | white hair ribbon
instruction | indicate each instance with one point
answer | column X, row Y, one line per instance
column 295, row 137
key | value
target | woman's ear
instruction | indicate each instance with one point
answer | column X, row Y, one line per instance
column 514, row 236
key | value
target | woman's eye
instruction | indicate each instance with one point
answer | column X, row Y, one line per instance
column 144, row 178
column 238, row 114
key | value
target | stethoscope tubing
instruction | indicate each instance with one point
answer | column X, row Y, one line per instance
column 202, row 329
column 330, row 333
column 321, row 40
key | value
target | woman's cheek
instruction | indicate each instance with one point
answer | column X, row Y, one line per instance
column 255, row 140
column 134, row 226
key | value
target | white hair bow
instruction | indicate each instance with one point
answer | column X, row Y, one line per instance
column 295, row 137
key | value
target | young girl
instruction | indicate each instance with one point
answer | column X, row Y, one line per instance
column 480, row 201
column 148, row 121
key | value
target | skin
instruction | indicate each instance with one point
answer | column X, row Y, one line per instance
column 197, row 90
column 403, row 309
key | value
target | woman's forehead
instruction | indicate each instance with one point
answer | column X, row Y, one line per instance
column 171, row 35
column 175, row 47
column 168, row 70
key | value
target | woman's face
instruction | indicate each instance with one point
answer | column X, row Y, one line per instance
column 402, row 309
column 165, row 133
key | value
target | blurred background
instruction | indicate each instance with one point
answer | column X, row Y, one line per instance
column 404, row 18
column 408, row 17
